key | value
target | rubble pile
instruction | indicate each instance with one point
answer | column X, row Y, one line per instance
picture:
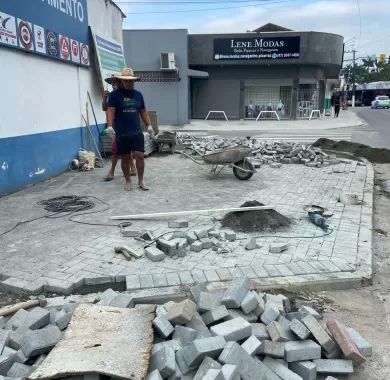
column 272, row 153
column 242, row 333
column 230, row 333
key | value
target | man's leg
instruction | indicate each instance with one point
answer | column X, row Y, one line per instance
column 114, row 161
column 140, row 163
column 125, row 164
column 133, row 170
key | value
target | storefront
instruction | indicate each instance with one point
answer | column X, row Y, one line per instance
column 260, row 74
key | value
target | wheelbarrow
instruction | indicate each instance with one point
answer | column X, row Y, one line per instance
column 235, row 158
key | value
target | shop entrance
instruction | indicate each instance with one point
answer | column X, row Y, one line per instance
column 308, row 100
column 267, row 98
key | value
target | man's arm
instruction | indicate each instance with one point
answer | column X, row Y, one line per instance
column 104, row 100
column 145, row 118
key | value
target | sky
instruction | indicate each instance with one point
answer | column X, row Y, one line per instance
column 364, row 24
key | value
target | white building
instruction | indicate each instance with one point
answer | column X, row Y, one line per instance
column 43, row 99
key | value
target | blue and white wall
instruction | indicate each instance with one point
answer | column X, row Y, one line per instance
column 41, row 103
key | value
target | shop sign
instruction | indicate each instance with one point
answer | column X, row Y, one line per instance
column 110, row 57
column 256, row 48
column 46, row 27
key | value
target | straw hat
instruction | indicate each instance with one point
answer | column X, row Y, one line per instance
column 127, row 74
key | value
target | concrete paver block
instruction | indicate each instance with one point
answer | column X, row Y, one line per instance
column 273, row 349
column 63, row 319
column 309, row 310
column 198, row 324
column 234, row 330
column 250, row 302
column 169, row 247
column 282, row 371
column 299, row 329
column 4, row 338
column 181, row 312
column 178, row 224
column 19, row 357
column 164, row 361
column 196, row 246
column 202, row 233
column 163, row 327
column 215, row 315
column 207, row 302
column 212, row 374
column 230, row 372
column 301, row 351
column 364, row 347
column 277, row 248
column 230, row 235
column 177, row 375
column 207, row 363
column 196, row 351
column 122, row 300
column 19, row 370
column 334, row 366
column 345, row 342
column 277, row 332
column 319, row 333
column 173, row 344
column 306, row 369
column 38, row 342
column 251, row 244
column 191, row 237
column 16, row 336
column 154, row 254
column 17, row 320
column 259, row 330
column 184, row 334
column 236, row 292
column 249, row 368
column 270, row 314
column 235, row 313
column 184, row 368
column 6, row 362
column 106, row 297
column 154, row 375
column 251, row 345
column 207, row 243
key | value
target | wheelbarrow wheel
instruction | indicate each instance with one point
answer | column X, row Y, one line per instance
column 241, row 174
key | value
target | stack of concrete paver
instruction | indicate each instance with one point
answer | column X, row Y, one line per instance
column 241, row 333
column 273, row 153
column 220, row 334
column 180, row 243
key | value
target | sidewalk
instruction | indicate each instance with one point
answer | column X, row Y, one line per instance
column 56, row 255
column 347, row 119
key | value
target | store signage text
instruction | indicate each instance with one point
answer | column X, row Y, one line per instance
column 57, row 29
column 257, row 48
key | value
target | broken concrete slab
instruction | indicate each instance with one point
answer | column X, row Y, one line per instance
column 94, row 331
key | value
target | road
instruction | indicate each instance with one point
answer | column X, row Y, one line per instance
column 377, row 133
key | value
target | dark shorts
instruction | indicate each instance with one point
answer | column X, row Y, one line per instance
column 126, row 144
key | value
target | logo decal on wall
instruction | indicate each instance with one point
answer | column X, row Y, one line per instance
column 75, row 50
column 84, row 54
column 8, row 34
column 64, row 48
column 39, row 35
column 52, row 44
column 25, row 35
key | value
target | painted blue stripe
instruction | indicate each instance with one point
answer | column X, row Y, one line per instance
column 28, row 159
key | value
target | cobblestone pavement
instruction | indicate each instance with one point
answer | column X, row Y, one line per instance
column 58, row 255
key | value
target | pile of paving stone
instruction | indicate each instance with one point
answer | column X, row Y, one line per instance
column 241, row 333
column 28, row 335
column 273, row 153
column 219, row 334
column 181, row 243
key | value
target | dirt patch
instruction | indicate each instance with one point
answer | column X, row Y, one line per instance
column 252, row 221
column 10, row 299
column 379, row 155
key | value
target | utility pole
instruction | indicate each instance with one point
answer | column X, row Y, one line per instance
column 353, row 78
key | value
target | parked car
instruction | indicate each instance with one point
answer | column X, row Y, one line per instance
column 381, row 101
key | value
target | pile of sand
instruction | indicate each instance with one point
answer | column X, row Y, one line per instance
column 252, row 221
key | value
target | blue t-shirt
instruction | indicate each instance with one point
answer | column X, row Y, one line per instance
column 127, row 104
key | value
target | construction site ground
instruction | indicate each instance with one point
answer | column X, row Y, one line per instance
column 61, row 252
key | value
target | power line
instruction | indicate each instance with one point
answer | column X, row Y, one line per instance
column 360, row 24
column 211, row 9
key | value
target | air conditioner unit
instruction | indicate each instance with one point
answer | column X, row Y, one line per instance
column 168, row 61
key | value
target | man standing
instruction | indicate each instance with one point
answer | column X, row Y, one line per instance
column 125, row 106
